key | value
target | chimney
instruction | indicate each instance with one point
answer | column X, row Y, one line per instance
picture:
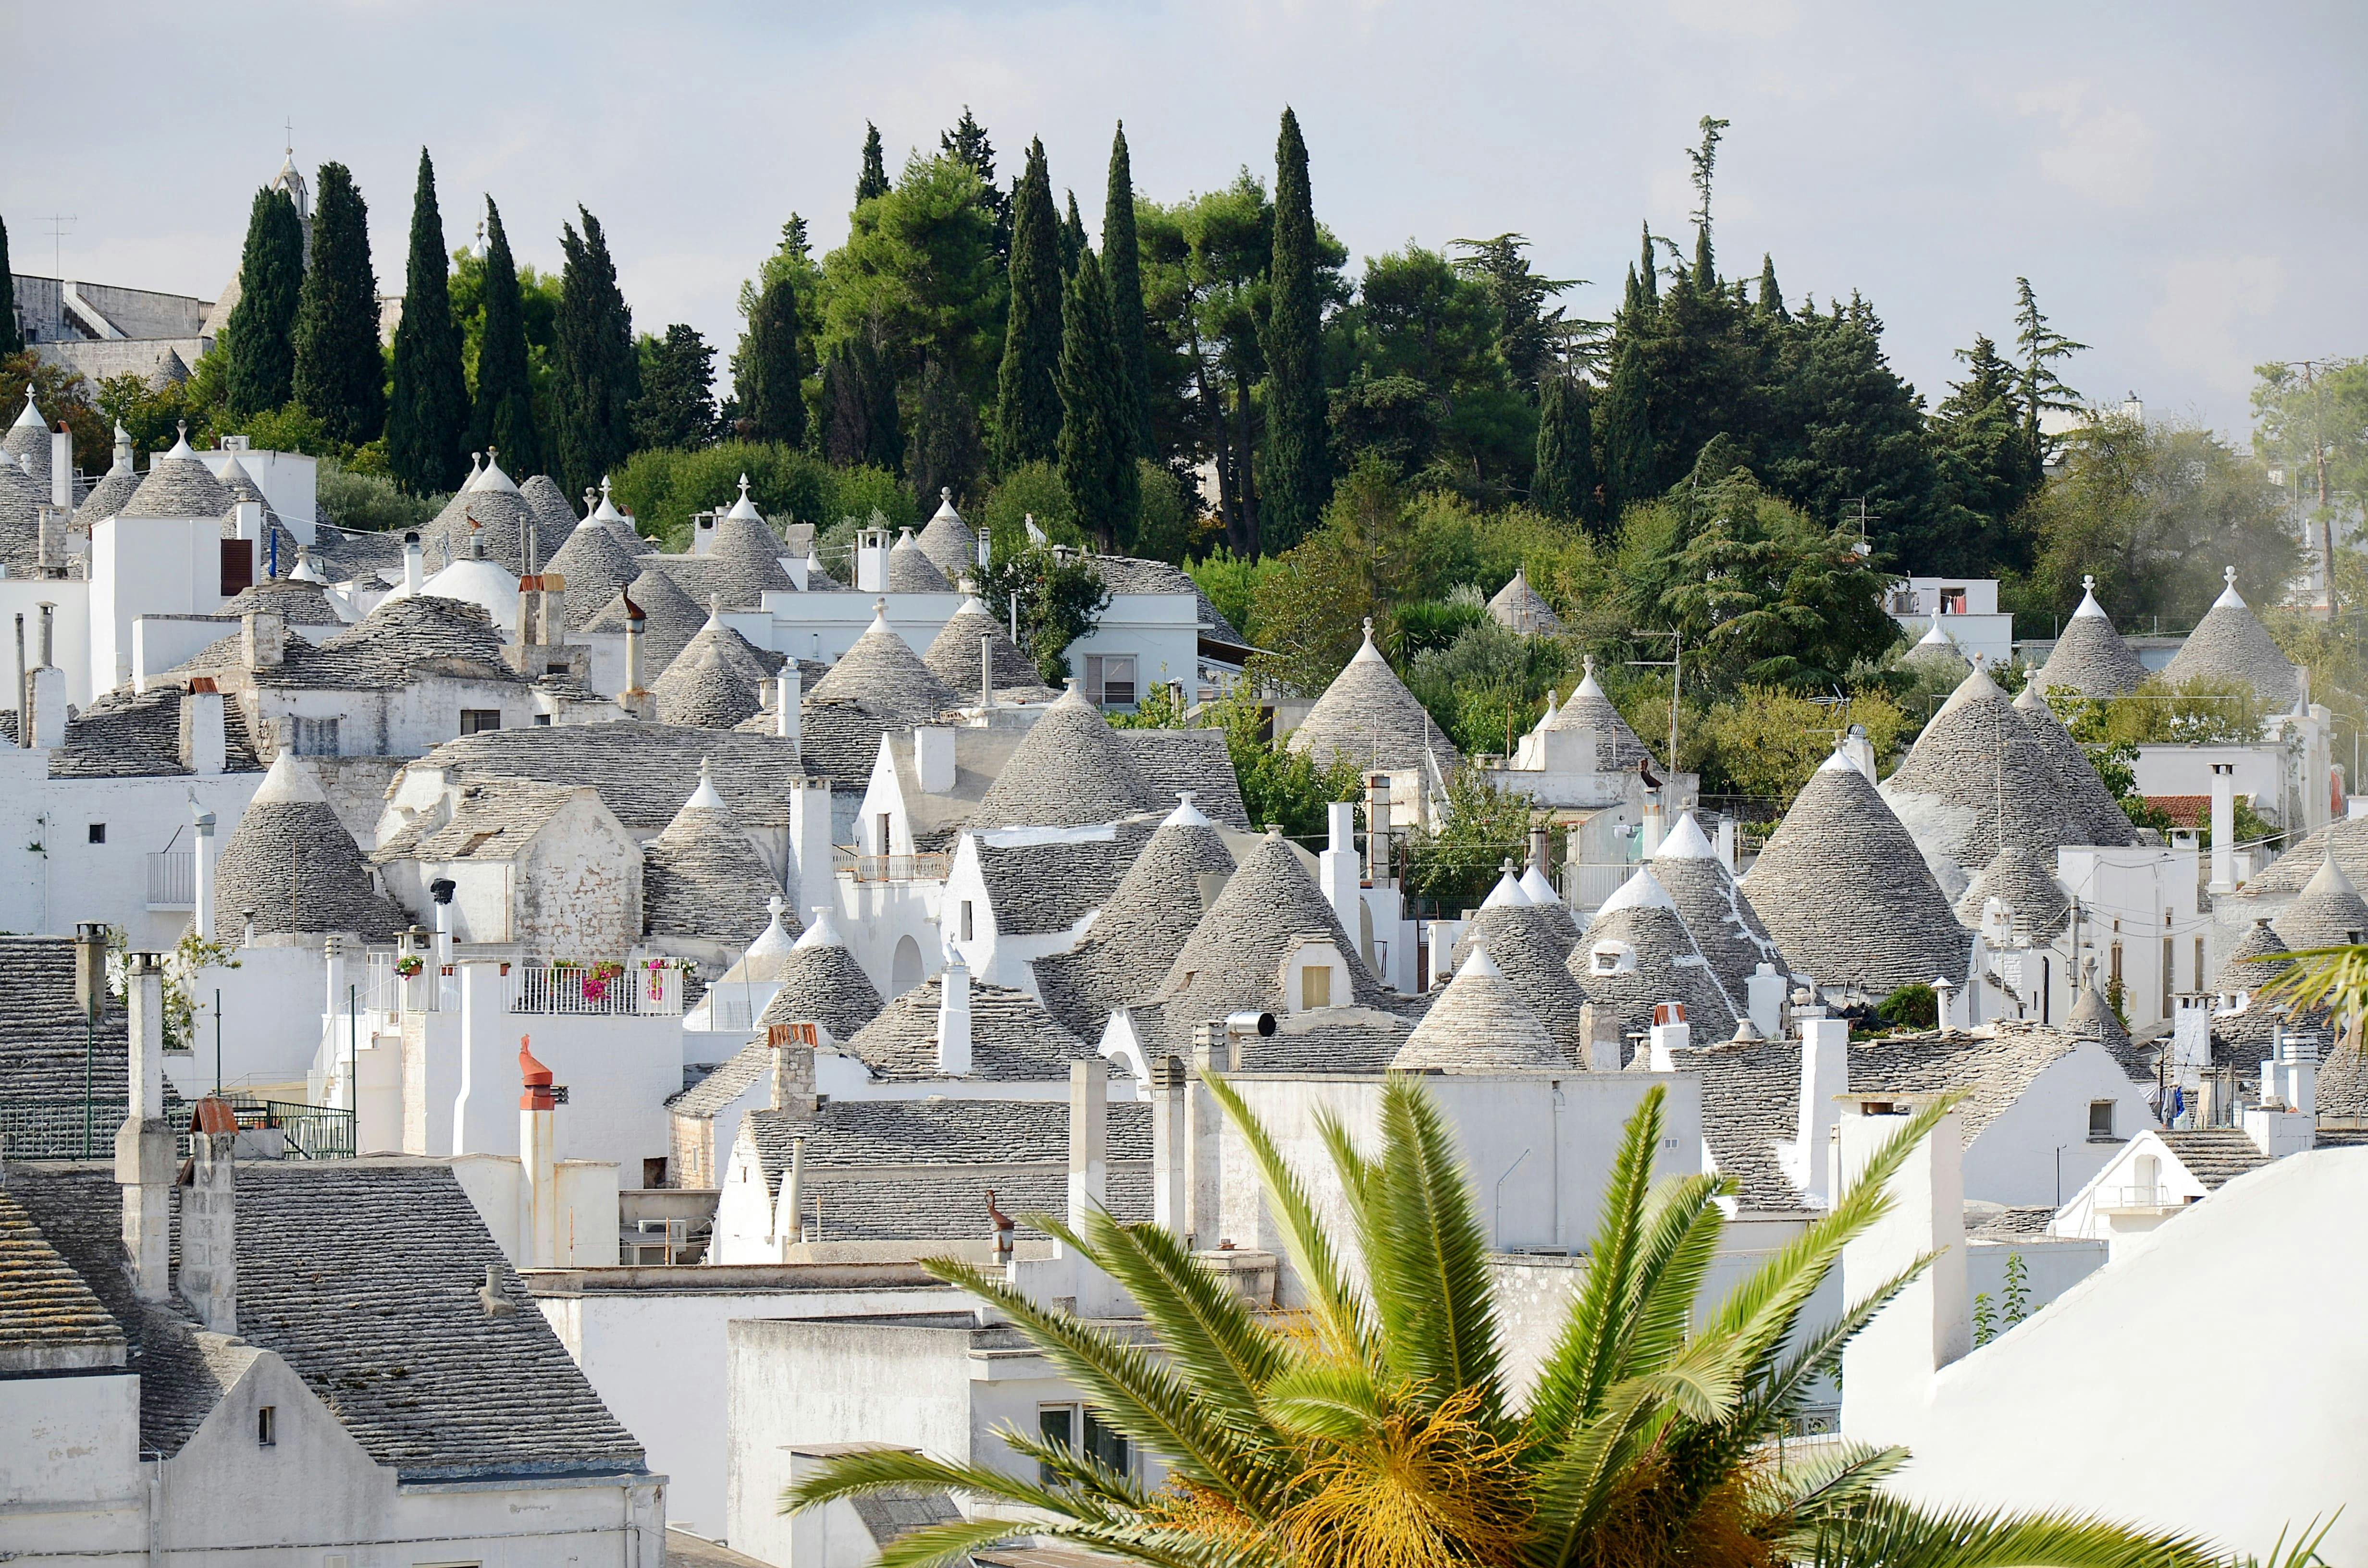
column 143, row 1146
column 1598, row 1023
column 204, row 741
column 24, row 688
column 1335, row 870
column 810, row 842
column 1764, row 991
column 1088, row 1139
column 478, row 1125
column 793, row 1047
column 1539, row 854
column 415, row 570
column 1824, row 1078
column 634, row 700
column 953, row 1022
column 986, row 672
column 247, row 519
column 1377, row 829
column 2223, row 828
column 1670, row 1034
column 209, row 1218
column 1860, row 750
column 789, row 704
column 263, row 639
column 1649, row 841
column 202, row 856
column 1727, row 858
column 1888, row 1368
column 789, row 1219
column 933, row 758
column 48, row 706
column 61, row 469
column 50, row 543
column 440, row 893
column 538, row 1159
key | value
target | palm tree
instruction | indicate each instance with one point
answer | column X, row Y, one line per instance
column 1374, row 1428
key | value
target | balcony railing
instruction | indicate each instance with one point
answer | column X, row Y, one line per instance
column 896, row 867
column 636, row 986
column 172, row 878
column 53, row 1127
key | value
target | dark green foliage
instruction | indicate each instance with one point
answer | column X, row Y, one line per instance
column 1482, row 827
column 1060, row 596
column 12, row 336
column 769, row 372
column 1527, row 332
column 1768, row 300
column 261, row 334
column 428, row 417
column 340, row 375
column 1845, row 431
column 1429, row 392
column 1028, row 403
column 504, row 409
column 1564, row 484
column 662, row 486
column 598, row 376
column 1073, row 238
column 944, row 452
column 874, row 180
column 968, row 142
column 1910, row 1007
column 1705, row 159
column 1097, row 447
column 860, row 422
column 676, row 406
column 1296, row 472
column 2041, row 390
column 1123, row 283
column 1985, row 468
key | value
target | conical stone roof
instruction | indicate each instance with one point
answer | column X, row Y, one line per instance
column 949, row 542
column 748, row 663
column 500, row 514
column 604, row 512
column 2090, row 656
column 671, row 618
column 822, row 983
column 1530, row 946
column 592, row 565
column 953, row 654
column 1127, row 952
column 2088, row 802
column 1617, row 749
column 2255, row 960
column 2230, row 644
column 2090, row 1019
column 1518, row 607
column 1637, row 952
column 2020, row 878
column 1711, row 902
column 910, row 571
column 1846, row 894
column 107, row 498
column 2330, row 912
column 882, row 675
column 744, row 558
column 1367, row 718
column 1975, row 778
column 29, row 438
column 178, row 486
column 703, row 877
column 553, row 510
column 1479, row 1024
column 300, row 601
column 292, row 863
column 762, row 963
column 1937, row 647
column 700, row 690
column 1068, row 770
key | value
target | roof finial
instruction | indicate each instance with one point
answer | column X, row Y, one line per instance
column 2228, row 574
column 946, row 492
column 1368, row 629
column 743, row 487
column 2089, row 582
column 706, row 768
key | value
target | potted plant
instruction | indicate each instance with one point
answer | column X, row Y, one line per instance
column 408, row 966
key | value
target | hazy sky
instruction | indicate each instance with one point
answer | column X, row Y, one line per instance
column 2182, row 183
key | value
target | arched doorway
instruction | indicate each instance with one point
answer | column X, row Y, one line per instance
column 904, row 970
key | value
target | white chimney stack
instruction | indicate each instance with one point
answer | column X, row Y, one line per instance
column 933, row 758
column 1338, row 869
column 810, row 842
column 203, row 859
column 1763, row 992
column 1824, row 1077
column 210, row 1219
column 61, row 469
column 788, row 700
column 1670, row 1034
column 2223, row 828
column 953, row 1022
column 538, row 1157
column 143, row 1146
column 415, row 568
column 1888, row 1368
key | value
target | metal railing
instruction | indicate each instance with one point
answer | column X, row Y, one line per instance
column 894, row 867
column 51, row 1127
column 635, row 986
column 172, row 878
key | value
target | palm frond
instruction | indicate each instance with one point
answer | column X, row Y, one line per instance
column 1832, row 1480
column 2335, row 979
column 950, row 1545
column 1576, row 1482
column 1428, row 1259
column 895, row 1469
column 1680, row 1238
column 1311, row 1252
column 1883, row 1531
column 1331, row 1400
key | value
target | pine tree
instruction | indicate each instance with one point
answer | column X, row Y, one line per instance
column 597, row 373
column 12, row 336
column 860, row 421
column 1564, row 480
column 874, row 180
column 676, row 405
column 968, row 142
column 1123, row 281
column 944, row 452
column 428, row 420
column 1096, row 452
column 340, row 374
column 1771, row 299
column 768, row 372
column 1027, row 404
column 1296, row 474
column 1073, row 239
column 2041, row 390
column 261, row 334
column 1704, row 160
column 504, row 406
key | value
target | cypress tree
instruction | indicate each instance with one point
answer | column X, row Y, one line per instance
column 877, row 379
column 1123, row 281
column 340, row 374
column 1027, row 403
column 1096, row 450
column 598, row 376
column 1564, row 480
column 1770, row 302
column 1073, row 239
column 767, row 373
column 505, row 400
column 676, row 405
column 944, row 451
column 1648, row 274
column 427, row 421
column 12, row 336
column 860, row 422
column 874, row 180
column 1296, row 474
column 261, row 333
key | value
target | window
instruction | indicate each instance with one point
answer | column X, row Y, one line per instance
column 965, row 920
column 98, row 832
column 1109, row 679
column 266, row 1426
column 543, row 720
column 881, row 847
column 476, row 721
column 1075, row 1426
column 1315, row 985
column 316, row 737
column 2100, row 1120
column 1953, row 601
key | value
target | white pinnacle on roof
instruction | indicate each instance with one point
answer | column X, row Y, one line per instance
column 1541, row 891
column 491, row 476
column 1186, row 813
column 30, row 417
column 1642, row 891
column 1478, row 964
column 1687, row 841
column 2089, row 605
column 704, row 797
column 1936, row 638
column 607, row 511
column 305, row 571
column 289, row 783
column 946, row 506
column 774, row 939
column 475, row 580
column 180, row 449
column 822, row 931
column 1508, row 894
column 1838, row 763
column 2229, row 597
column 122, row 451
column 743, row 508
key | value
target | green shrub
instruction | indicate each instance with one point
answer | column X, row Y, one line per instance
column 368, row 502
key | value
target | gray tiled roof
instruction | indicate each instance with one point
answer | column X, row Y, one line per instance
column 1750, row 1101
column 1479, row 1024
column 1039, row 888
column 300, row 601
column 1975, row 778
column 1992, row 1067
column 2019, row 877
column 2229, row 643
column 41, row 1040
column 2089, row 657
column 1670, row 968
column 671, row 618
column 1617, row 749
column 44, row 1304
column 883, row 674
column 1710, row 902
column 1518, row 607
column 645, row 772
column 741, row 561
column 2330, row 912
column 2215, row 1156
column 910, row 570
column 703, row 877
column 552, row 507
column 1530, row 946
column 2342, row 1088
column 1069, row 770
column 1133, row 575
column 725, row 1083
column 2003, row 1222
column 501, row 515
column 2291, row 871
column 107, row 498
column 1125, row 955
column 395, row 645
column 1367, row 718
column 593, row 565
column 822, row 983
column 1330, row 1040
column 127, row 734
column 700, row 688
column 341, row 554
column 2092, row 1019
column 1166, row 763
column 177, row 486
column 2255, row 960
column 954, row 653
column 493, row 820
column 1011, row 1036
column 949, row 544
column 839, row 738
column 1848, row 897
column 2088, row 802
column 292, row 863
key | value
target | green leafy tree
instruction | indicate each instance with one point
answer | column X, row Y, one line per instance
column 1986, row 470
column 62, row 396
column 918, row 279
column 1705, row 159
column 1529, row 335
column 1295, row 470
column 1278, row 786
column 1122, row 282
column 1028, row 398
column 261, row 333
column 504, row 406
column 1205, row 293
column 1428, row 391
column 1035, row 492
column 968, row 141
column 860, row 419
column 2043, row 391
column 676, row 405
column 597, row 373
column 427, row 416
column 1378, row 1425
column 1060, row 596
column 945, row 452
column 1096, row 446
column 12, row 335
column 340, row 375
column 873, row 181
column 1310, row 610
column 1482, row 828
column 769, row 370
column 1563, row 482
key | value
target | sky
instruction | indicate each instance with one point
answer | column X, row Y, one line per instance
column 2181, row 183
